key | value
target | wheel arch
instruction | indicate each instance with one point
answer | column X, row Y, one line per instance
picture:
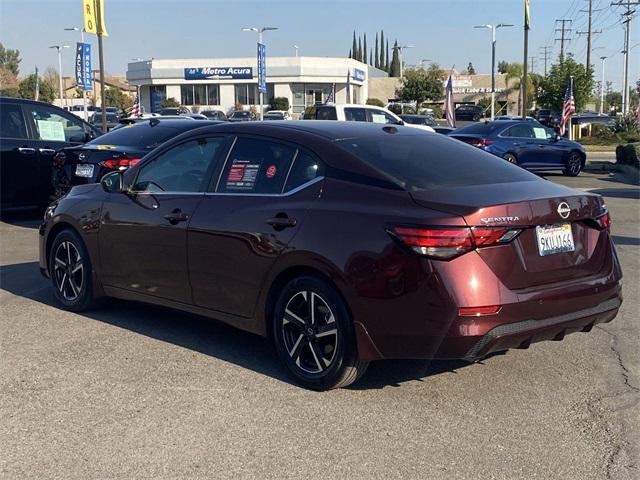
column 53, row 233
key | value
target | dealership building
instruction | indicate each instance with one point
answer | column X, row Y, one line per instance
column 222, row 83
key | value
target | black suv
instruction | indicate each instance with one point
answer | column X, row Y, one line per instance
column 549, row 118
column 30, row 135
column 469, row 112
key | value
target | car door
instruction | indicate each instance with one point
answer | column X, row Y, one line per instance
column 549, row 151
column 521, row 142
column 143, row 233
column 18, row 160
column 53, row 129
column 246, row 222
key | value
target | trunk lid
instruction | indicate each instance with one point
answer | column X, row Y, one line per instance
column 525, row 205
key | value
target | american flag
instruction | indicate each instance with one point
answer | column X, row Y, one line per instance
column 136, row 110
column 568, row 108
column 332, row 94
column 448, row 104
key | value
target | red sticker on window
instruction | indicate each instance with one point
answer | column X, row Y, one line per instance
column 271, row 171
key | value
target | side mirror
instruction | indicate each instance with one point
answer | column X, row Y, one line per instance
column 113, row 182
column 401, row 122
column 556, row 137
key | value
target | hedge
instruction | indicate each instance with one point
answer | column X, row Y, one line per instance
column 628, row 154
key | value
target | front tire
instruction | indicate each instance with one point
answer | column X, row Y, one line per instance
column 71, row 272
column 574, row 165
column 314, row 337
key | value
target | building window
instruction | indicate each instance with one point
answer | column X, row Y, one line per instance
column 200, row 94
column 246, row 94
column 308, row 94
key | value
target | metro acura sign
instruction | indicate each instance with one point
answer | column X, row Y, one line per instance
column 203, row 73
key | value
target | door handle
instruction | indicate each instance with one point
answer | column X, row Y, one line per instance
column 26, row 150
column 47, row 151
column 516, row 144
column 282, row 221
column 176, row 216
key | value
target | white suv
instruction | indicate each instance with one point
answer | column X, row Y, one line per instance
column 357, row 113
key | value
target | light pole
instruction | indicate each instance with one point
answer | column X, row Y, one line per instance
column 297, row 48
column 84, row 92
column 59, row 49
column 425, row 60
column 259, row 31
column 493, row 61
column 400, row 48
column 602, row 86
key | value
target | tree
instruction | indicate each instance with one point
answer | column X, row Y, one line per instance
column 279, row 103
column 27, row 89
column 359, row 57
column 354, row 46
column 395, row 62
column 470, row 69
column 382, row 65
column 364, row 49
column 554, row 86
column 7, row 79
column 10, row 59
column 114, row 97
column 370, row 56
column 419, row 85
column 375, row 101
column 172, row 103
column 377, row 54
column 51, row 76
column 387, row 66
column 502, row 66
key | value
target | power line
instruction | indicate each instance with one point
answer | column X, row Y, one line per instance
column 545, row 55
column 563, row 34
column 589, row 32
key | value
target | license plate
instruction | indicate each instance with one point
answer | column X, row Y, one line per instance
column 84, row 170
column 555, row 239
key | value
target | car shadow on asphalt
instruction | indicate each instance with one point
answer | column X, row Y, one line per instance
column 207, row 336
column 622, row 240
column 26, row 219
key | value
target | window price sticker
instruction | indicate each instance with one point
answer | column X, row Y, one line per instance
column 242, row 175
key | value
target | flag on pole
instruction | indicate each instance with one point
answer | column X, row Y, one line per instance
column 568, row 108
column 448, row 104
column 348, row 87
column 527, row 17
column 331, row 98
column 136, row 110
column 36, row 95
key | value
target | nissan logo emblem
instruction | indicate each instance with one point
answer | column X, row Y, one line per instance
column 564, row 210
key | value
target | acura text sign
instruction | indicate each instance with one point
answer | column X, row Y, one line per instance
column 203, row 73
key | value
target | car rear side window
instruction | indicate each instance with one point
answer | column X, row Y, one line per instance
column 305, row 168
column 12, row 122
column 480, row 128
column 519, row 131
column 183, row 168
column 419, row 162
column 56, row 126
column 355, row 114
column 256, row 166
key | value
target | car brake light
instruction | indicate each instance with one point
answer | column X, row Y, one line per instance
column 120, row 162
column 604, row 221
column 480, row 142
column 450, row 242
column 478, row 311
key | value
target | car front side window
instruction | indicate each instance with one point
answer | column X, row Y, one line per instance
column 53, row 125
column 183, row 168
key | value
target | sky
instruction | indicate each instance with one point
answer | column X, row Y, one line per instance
column 440, row 30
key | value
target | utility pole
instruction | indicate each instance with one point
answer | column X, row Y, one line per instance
column 602, row 86
column 563, row 35
column 532, row 61
column 545, row 55
column 589, row 33
column 627, row 34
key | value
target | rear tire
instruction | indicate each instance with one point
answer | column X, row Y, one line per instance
column 71, row 272
column 511, row 158
column 314, row 336
column 574, row 165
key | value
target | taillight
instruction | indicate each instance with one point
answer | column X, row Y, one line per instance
column 478, row 311
column 120, row 162
column 480, row 142
column 604, row 221
column 450, row 242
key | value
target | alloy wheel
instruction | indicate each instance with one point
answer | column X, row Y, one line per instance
column 68, row 271
column 574, row 164
column 310, row 332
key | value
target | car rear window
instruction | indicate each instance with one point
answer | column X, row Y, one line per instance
column 140, row 135
column 482, row 128
column 420, row 162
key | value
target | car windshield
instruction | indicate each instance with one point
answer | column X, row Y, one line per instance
column 140, row 135
column 420, row 162
column 240, row 114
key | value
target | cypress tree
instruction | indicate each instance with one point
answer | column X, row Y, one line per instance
column 382, row 61
column 354, row 46
column 377, row 57
column 395, row 63
column 387, row 65
column 371, row 56
column 359, row 56
column 350, row 55
column 364, row 49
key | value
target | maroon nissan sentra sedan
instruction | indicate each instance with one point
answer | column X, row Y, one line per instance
column 343, row 242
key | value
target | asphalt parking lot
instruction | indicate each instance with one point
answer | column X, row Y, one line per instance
column 133, row 391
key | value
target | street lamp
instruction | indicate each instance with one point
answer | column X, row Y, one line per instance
column 84, row 92
column 400, row 48
column 493, row 61
column 425, row 60
column 602, row 86
column 59, row 49
column 259, row 31
column 297, row 48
